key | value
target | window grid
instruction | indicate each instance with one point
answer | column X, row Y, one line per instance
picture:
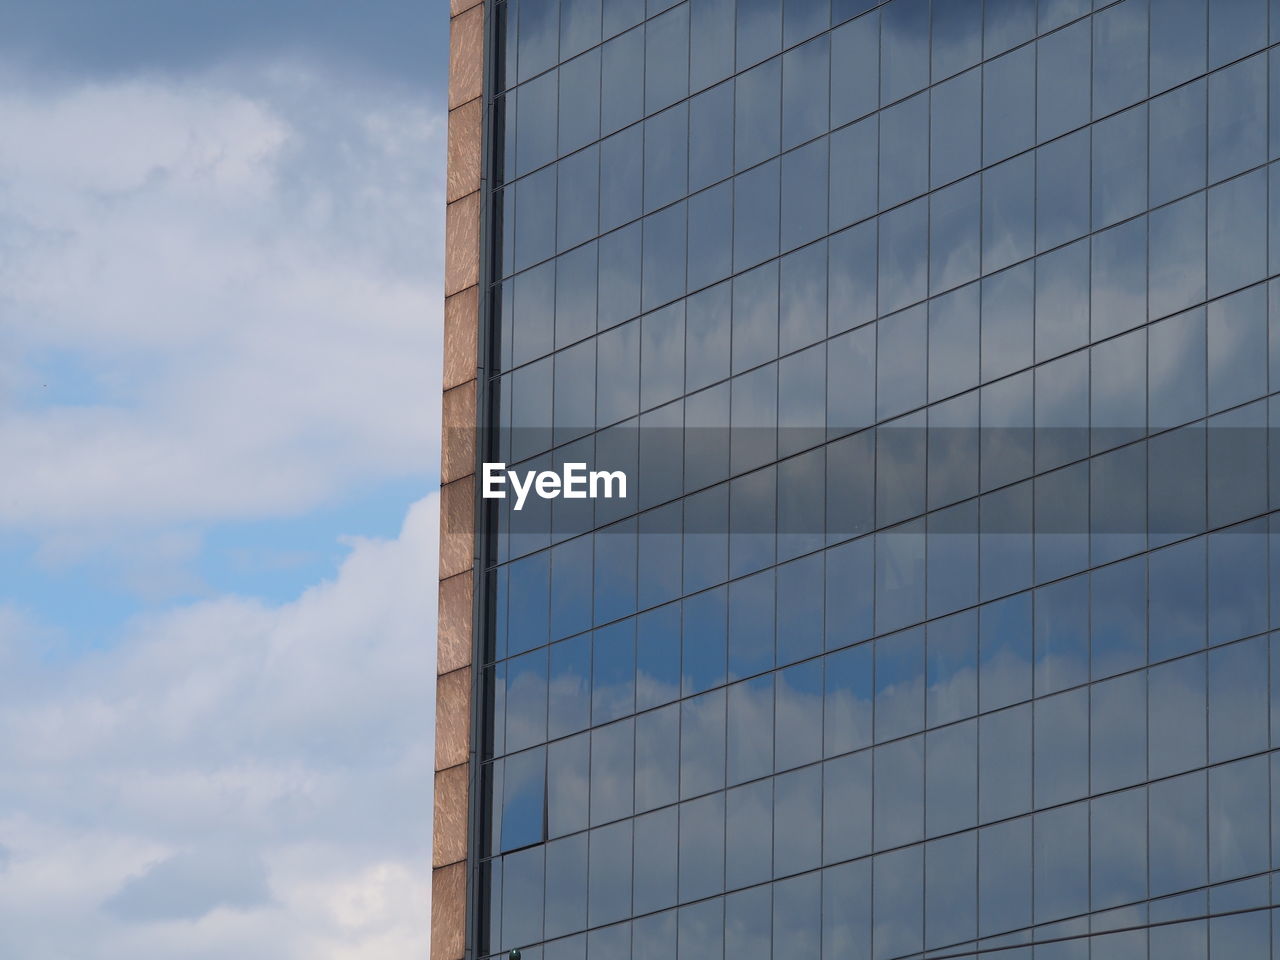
column 610, row 871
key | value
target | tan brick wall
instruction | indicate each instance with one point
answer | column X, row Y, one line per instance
column 457, row 477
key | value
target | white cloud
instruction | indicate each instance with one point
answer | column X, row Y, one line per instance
column 233, row 779
column 249, row 265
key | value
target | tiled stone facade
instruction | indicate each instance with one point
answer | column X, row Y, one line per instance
column 457, row 475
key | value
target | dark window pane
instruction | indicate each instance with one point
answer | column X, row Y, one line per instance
column 535, row 124
column 950, row 905
column 1237, row 583
column 759, row 31
column 523, row 795
column 710, row 236
column 1118, row 849
column 1008, row 23
column 1062, row 190
column 621, row 193
column 1007, row 321
column 800, row 609
column 904, row 256
column 570, row 678
column 806, row 80
column 904, row 48
column 751, row 625
column 1119, row 289
column 756, row 212
column 1236, row 27
column 797, row 827
column 851, row 290
column 1004, row 877
column 1238, row 719
column 609, row 890
column 797, row 916
column 1061, row 747
column 1177, row 269
column 803, row 19
column 666, row 138
column 1004, row 763
column 1176, row 703
column 622, row 79
column 612, row 771
column 1238, row 815
column 1237, row 118
column 666, row 73
column 1062, row 300
column 904, row 151
column 711, row 36
column 704, row 647
column 523, row 875
column 1119, row 56
column 953, row 342
column 846, row 808
column 1237, row 348
column 951, row 779
column 748, row 828
column 899, row 672
column 664, row 257
column 898, row 907
column 1178, row 611
column 1005, row 644
column 566, row 886
column 804, row 195
column 848, row 701
column 1178, row 134
column 899, row 576
column 957, row 36
column 853, row 152
column 758, row 116
column 1118, row 734
column 899, row 793
column 619, row 276
column 955, row 222
column 956, row 128
column 579, row 113
column 1061, row 880
column 1008, row 212
column 702, row 748
column 618, row 15
column 1118, row 618
column 568, row 785
column 1178, row 834
column 613, row 672
column 662, row 340
column 1237, row 233
column 855, row 69
column 656, row 863
column 1119, row 167
column 901, row 363
column 711, row 136
column 707, row 331
column 748, row 923
column 1178, row 41
column 657, row 758
column 1062, row 61
column 579, row 25
column 1009, row 104
column 803, row 298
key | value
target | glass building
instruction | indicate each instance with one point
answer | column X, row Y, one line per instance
column 937, row 340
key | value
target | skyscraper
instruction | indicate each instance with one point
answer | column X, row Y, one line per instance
column 937, row 342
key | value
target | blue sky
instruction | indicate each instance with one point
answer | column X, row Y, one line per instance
column 220, row 257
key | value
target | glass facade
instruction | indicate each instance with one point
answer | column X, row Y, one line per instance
column 938, row 339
